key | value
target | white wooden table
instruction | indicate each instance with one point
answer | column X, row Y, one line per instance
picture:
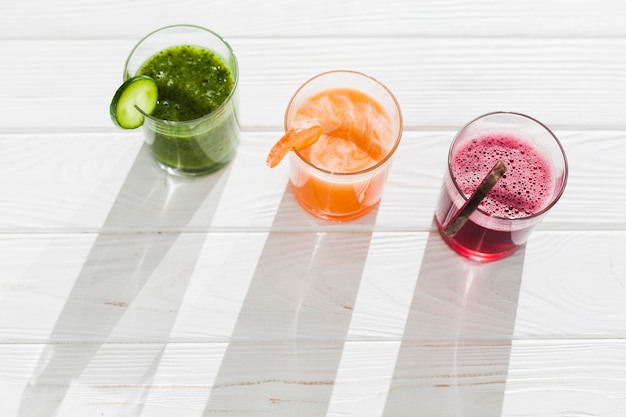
column 126, row 292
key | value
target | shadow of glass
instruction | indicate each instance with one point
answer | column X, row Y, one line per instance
column 130, row 255
column 287, row 343
column 454, row 357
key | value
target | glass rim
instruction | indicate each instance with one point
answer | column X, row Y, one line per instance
column 553, row 200
column 368, row 169
column 219, row 108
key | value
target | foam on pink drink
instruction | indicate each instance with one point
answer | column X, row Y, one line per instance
column 525, row 189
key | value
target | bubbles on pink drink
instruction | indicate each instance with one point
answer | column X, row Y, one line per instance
column 526, row 187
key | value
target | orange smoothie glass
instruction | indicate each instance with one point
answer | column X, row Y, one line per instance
column 342, row 175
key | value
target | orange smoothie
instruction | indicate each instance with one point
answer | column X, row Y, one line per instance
column 340, row 176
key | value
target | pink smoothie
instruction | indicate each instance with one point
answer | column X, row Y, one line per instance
column 525, row 189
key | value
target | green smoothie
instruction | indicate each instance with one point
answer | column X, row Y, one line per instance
column 194, row 128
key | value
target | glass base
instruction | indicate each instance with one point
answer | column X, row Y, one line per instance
column 338, row 218
column 190, row 173
column 475, row 255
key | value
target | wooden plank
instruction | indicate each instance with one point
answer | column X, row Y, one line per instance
column 109, row 182
column 462, row 378
column 574, row 281
column 533, row 18
column 441, row 83
column 393, row 286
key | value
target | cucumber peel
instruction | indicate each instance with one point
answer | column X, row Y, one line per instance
column 139, row 92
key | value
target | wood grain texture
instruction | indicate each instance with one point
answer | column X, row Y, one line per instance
column 439, row 82
column 248, row 18
column 126, row 292
column 108, row 181
column 359, row 378
column 394, row 286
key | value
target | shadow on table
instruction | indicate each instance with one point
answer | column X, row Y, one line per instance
column 288, row 339
column 454, row 357
column 120, row 266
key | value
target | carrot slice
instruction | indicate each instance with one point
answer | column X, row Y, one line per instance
column 299, row 137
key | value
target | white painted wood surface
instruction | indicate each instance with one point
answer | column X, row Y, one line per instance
column 125, row 292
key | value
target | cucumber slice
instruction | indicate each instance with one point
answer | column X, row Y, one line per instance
column 139, row 91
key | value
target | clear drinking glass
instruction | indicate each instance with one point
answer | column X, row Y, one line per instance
column 360, row 113
column 209, row 141
column 533, row 182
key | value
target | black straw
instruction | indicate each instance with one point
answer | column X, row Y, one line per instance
column 473, row 202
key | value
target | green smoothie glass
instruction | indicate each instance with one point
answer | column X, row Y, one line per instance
column 195, row 128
